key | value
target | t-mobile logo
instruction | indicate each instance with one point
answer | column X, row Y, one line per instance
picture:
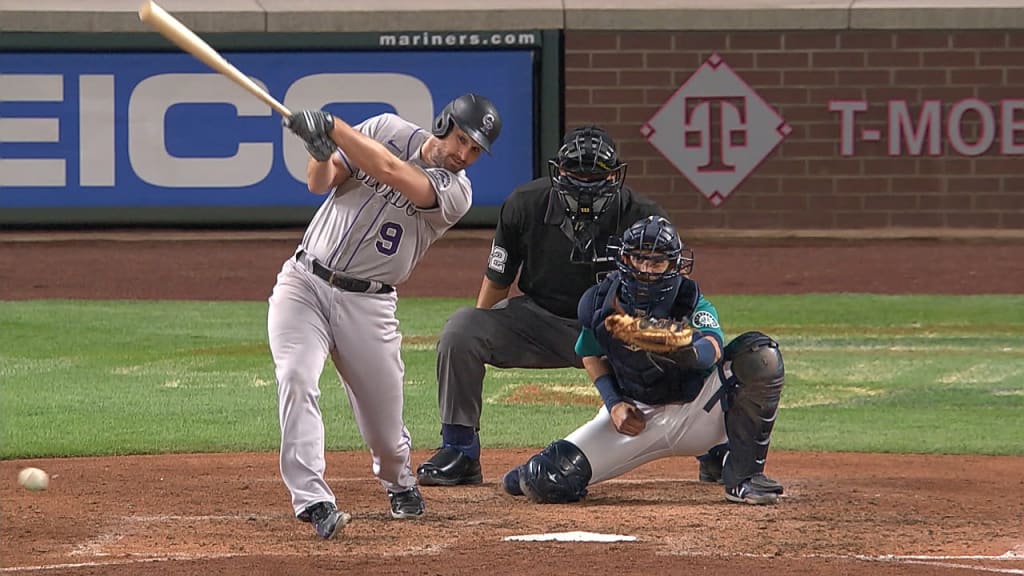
column 702, row 115
column 715, row 130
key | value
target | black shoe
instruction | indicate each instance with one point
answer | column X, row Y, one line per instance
column 449, row 467
column 766, row 484
column 326, row 518
column 712, row 464
column 757, row 490
column 510, row 482
column 407, row 504
column 710, row 471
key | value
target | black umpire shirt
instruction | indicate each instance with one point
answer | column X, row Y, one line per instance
column 529, row 234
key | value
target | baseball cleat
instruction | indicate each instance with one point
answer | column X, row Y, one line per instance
column 510, row 482
column 449, row 467
column 766, row 484
column 326, row 519
column 710, row 471
column 712, row 464
column 757, row 490
column 407, row 504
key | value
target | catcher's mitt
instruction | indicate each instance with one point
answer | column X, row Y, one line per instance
column 651, row 334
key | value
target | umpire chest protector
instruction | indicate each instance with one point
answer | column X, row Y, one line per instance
column 643, row 376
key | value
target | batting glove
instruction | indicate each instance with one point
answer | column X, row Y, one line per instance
column 314, row 128
column 321, row 148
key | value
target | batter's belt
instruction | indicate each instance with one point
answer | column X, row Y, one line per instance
column 339, row 281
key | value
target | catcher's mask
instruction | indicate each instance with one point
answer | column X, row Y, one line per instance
column 650, row 258
column 587, row 175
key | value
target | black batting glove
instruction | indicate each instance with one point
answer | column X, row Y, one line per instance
column 314, row 128
column 321, row 148
column 307, row 124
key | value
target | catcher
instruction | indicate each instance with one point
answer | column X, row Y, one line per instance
column 652, row 344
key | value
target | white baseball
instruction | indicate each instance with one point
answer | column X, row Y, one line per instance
column 33, row 479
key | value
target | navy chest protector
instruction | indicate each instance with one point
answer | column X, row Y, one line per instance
column 645, row 376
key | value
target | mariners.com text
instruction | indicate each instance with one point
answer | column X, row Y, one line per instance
column 459, row 39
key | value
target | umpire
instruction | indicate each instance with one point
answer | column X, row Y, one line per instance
column 557, row 231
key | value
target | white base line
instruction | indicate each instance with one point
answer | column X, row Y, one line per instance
column 1011, row 555
column 964, row 566
column 937, row 561
column 118, row 562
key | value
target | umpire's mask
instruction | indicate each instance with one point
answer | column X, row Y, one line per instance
column 587, row 175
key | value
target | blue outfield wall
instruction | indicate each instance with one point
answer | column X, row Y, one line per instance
column 146, row 129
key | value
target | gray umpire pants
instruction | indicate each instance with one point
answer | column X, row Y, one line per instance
column 515, row 333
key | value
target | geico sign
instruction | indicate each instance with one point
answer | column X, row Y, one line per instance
column 148, row 104
column 920, row 135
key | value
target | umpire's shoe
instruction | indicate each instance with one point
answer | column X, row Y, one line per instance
column 326, row 518
column 449, row 467
column 407, row 504
column 757, row 490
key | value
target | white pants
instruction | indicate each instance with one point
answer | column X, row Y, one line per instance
column 308, row 320
column 671, row 430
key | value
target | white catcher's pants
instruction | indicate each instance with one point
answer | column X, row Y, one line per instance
column 672, row 430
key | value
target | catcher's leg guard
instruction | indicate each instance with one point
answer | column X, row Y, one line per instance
column 558, row 474
column 753, row 405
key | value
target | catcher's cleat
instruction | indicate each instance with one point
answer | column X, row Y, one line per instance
column 449, row 467
column 710, row 471
column 326, row 519
column 510, row 482
column 712, row 464
column 766, row 484
column 757, row 490
column 407, row 504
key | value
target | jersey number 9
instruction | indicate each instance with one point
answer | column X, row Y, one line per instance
column 390, row 236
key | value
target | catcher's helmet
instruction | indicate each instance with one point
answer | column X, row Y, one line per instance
column 473, row 114
column 587, row 172
column 645, row 246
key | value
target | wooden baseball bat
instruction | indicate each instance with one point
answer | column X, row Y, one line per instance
column 172, row 29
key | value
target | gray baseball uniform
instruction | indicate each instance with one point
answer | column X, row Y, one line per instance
column 369, row 231
column 676, row 429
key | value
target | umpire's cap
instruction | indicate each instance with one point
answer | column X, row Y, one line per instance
column 474, row 115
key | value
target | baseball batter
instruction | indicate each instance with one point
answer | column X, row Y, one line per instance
column 392, row 190
column 679, row 403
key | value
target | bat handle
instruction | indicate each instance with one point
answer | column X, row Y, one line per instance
column 280, row 109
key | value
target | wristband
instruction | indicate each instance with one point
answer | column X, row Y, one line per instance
column 705, row 350
column 609, row 390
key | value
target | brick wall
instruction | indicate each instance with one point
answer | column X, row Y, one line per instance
column 910, row 176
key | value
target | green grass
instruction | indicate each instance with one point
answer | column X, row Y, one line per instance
column 925, row 374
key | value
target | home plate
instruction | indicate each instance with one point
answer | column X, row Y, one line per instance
column 570, row 537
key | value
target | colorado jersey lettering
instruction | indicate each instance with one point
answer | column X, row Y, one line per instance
column 367, row 229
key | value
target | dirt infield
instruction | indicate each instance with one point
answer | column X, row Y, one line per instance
column 229, row 514
column 237, row 266
column 849, row 514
